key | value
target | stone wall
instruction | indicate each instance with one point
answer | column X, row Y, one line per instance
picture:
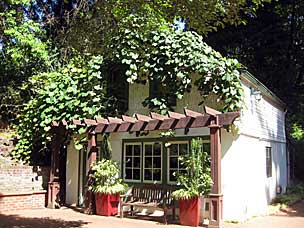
column 7, row 142
column 22, row 187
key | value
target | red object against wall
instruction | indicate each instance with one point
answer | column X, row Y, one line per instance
column 107, row 204
column 189, row 211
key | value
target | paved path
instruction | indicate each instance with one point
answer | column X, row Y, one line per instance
column 292, row 217
column 68, row 218
column 271, row 222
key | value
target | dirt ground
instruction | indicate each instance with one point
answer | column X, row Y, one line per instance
column 292, row 217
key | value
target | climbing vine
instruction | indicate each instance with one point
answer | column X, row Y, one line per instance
column 79, row 89
column 75, row 91
column 171, row 57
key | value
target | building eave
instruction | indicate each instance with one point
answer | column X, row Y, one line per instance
column 245, row 75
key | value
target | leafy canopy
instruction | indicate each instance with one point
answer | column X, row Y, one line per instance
column 24, row 51
column 74, row 91
column 172, row 57
column 79, row 89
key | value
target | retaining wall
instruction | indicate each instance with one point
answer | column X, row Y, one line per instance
column 22, row 187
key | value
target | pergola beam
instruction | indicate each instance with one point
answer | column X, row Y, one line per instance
column 211, row 111
column 191, row 113
column 155, row 121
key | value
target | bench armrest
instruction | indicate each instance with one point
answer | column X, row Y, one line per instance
column 126, row 195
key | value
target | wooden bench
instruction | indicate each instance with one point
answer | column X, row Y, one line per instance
column 149, row 196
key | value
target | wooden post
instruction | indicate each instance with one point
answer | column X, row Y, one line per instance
column 54, row 183
column 216, row 196
column 91, row 158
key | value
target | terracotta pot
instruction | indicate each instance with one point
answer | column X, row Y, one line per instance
column 189, row 211
column 106, row 204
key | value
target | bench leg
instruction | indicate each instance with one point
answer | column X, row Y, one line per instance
column 121, row 210
column 132, row 211
column 165, row 216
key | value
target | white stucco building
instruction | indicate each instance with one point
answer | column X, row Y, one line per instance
column 254, row 157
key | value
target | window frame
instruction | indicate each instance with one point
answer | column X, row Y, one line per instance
column 268, row 155
column 168, row 158
column 124, row 162
column 165, row 169
column 143, row 161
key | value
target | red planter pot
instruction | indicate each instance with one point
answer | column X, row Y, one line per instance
column 189, row 211
column 106, row 204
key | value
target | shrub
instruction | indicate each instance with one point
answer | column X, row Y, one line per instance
column 106, row 178
column 196, row 181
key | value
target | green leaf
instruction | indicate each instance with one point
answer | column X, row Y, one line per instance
column 78, row 146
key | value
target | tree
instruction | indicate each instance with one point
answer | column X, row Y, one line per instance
column 24, row 51
column 47, row 44
column 36, row 34
column 271, row 45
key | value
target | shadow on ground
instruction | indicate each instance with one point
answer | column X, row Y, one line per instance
column 296, row 210
column 15, row 221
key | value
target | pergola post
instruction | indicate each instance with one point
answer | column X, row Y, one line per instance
column 91, row 158
column 54, row 183
column 216, row 196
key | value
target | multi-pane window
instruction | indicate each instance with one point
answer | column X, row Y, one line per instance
column 143, row 161
column 132, row 162
column 175, row 166
column 268, row 162
column 152, row 162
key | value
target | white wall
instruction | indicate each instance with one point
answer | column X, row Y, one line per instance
column 261, row 117
column 138, row 93
column 72, row 174
column 246, row 188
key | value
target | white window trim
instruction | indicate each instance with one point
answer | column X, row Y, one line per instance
column 161, row 165
column 124, row 164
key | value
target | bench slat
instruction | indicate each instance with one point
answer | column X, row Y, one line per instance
column 150, row 196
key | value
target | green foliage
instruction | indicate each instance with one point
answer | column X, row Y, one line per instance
column 297, row 132
column 293, row 194
column 171, row 57
column 196, row 181
column 105, row 17
column 24, row 51
column 106, row 178
column 23, row 34
column 75, row 91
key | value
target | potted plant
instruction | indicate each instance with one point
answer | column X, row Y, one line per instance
column 195, row 182
column 107, row 187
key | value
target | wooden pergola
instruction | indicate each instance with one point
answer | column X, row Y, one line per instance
column 211, row 118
